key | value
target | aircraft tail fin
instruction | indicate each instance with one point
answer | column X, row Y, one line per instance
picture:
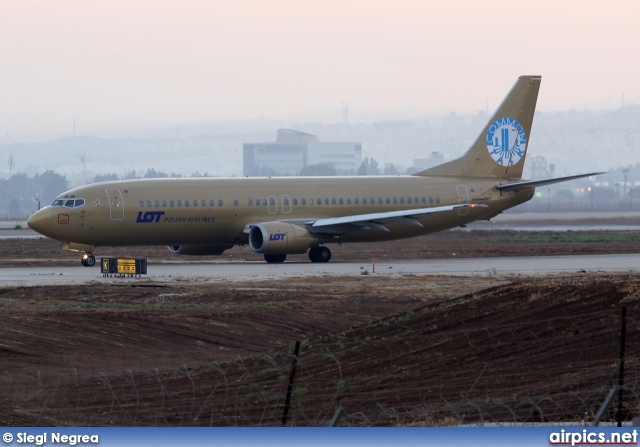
column 501, row 148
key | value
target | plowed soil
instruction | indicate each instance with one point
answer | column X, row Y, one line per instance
column 387, row 350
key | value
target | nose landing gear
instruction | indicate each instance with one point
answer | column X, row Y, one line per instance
column 88, row 260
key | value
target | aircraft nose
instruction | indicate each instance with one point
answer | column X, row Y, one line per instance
column 40, row 221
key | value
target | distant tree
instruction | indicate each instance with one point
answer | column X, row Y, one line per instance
column 130, row 175
column 369, row 166
column 265, row 171
column 319, row 169
column 152, row 173
column 48, row 185
column 412, row 170
column 564, row 195
column 174, row 175
column 390, row 169
column 14, row 209
column 105, row 178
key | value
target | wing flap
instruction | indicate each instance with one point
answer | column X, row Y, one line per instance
column 379, row 220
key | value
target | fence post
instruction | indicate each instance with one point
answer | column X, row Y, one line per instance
column 623, row 331
column 292, row 376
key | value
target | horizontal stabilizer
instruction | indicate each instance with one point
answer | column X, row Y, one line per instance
column 535, row 183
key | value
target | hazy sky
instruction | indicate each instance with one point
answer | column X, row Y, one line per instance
column 128, row 63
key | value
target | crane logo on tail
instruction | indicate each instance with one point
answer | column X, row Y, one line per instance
column 506, row 141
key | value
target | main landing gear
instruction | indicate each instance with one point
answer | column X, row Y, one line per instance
column 320, row 254
column 275, row 259
column 88, row 260
column 316, row 254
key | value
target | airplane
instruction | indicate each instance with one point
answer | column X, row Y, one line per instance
column 292, row 215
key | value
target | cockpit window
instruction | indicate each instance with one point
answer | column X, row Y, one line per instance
column 69, row 203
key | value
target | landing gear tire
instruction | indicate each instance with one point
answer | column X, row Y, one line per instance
column 320, row 254
column 275, row 259
column 88, row 260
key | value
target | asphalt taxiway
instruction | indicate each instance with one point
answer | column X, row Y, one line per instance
column 210, row 271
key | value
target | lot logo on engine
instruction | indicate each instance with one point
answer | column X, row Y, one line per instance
column 149, row 216
column 277, row 236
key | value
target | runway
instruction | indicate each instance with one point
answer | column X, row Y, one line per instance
column 170, row 272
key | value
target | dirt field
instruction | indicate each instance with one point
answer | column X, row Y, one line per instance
column 392, row 350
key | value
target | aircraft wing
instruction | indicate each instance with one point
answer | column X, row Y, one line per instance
column 345, row 224
column 535, row 183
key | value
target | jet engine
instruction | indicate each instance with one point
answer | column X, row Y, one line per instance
column 280, row 238
column 198, row 250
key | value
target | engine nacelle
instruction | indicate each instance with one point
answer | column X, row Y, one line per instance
column 280, row 238
column 198, row 250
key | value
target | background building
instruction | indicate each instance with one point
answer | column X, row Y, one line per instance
column 294, row 151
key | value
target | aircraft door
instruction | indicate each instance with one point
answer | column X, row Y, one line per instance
column 116, row 205
column 286, row 204
column 463, row 197
column 272, row 204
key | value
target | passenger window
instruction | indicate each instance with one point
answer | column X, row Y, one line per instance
column 203, row 203
column 318, row 201
column 387, row 201
column 402, row 200
column 409, row 200
column 349, row 201
column 220, row 202
column 211, row 202
column 304, row 201
column 272, row 202
column 179, row 202
column 141, row 204
column 415, row 200
column 379, row 200
column 235, row 202
column 437, row 199
column 424, row 200
column 186, row 203
column 250, row 202
column 395, row 200
column 156, row 204
column 295, row 202
column 148, row 203
column 326, row 201
column 171, row 203
column 333, row 201
column 355, row 201
column 286, row 201
column 430, row 199
column 371, row 201
column 195, row 203
column 310, row 201
column 164, row 203
column 264, row 202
